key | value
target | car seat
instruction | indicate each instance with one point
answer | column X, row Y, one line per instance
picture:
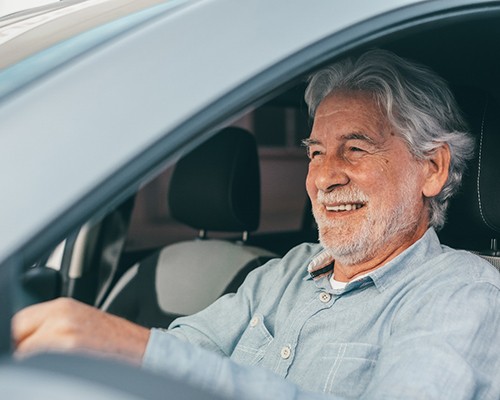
column 473, row 221
column 216, row 187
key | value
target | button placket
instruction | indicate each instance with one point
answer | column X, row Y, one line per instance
column 284, row 347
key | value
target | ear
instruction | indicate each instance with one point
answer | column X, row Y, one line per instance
column 436, row 171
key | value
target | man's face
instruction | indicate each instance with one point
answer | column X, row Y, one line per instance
column 364, row 184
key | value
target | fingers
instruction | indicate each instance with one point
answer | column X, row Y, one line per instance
column 45, row 323
column 65, row 324
column 39, row 342
column 28, row 320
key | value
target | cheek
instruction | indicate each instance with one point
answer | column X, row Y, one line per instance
column 378, row 183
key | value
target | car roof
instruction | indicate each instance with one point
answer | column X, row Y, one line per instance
column 78, row 126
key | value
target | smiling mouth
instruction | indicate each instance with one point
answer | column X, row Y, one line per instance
column 344, row 207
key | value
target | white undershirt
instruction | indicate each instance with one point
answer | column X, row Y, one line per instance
column 337, row 285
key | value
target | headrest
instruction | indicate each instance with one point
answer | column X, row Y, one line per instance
column 216, row 187
column 474, row 214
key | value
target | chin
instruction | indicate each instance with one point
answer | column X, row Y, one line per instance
column 348, row 253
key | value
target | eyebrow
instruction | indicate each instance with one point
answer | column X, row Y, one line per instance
column 309, row 142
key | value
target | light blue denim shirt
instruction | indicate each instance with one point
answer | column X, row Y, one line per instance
column 424, row 326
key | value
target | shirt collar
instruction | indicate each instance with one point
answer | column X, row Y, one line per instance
column 321, row 266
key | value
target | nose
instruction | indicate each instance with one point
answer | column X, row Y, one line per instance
column 329, row 174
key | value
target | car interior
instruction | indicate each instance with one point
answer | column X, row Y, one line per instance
column 215, row 188
column 193, row 232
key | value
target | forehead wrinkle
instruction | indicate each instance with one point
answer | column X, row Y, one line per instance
column 358, row 136
column 320, row 113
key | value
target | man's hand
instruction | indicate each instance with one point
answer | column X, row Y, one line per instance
column 67, row 325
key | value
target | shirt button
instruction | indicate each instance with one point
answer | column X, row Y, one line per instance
column 325, row 297
column 285, row 352
column 254, row 321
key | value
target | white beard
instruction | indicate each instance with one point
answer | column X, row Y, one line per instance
column 351, row 245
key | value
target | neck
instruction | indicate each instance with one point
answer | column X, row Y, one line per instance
column 388, row 251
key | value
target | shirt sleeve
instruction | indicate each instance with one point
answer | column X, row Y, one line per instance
column 216, row 374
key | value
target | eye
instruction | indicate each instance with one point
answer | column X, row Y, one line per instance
column 312, row 153
column 355, row 153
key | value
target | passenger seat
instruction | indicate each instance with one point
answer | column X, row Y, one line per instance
column 215, row 188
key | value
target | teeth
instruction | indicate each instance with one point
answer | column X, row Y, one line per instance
column 344, row 207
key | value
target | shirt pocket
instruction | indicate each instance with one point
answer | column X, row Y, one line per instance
column 345, row 369
column 253, row 343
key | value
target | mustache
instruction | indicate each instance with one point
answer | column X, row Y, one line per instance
column 342, row 195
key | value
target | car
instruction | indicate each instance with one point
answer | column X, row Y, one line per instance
column 102, row 100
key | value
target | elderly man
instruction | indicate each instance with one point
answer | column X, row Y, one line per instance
column 377, row 310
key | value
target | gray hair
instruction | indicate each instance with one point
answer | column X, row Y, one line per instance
column 418, row 104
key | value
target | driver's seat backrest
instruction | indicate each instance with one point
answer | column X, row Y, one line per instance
column 473, row 221
column 216, row 187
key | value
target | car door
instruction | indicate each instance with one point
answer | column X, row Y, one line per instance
column 137, row 92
